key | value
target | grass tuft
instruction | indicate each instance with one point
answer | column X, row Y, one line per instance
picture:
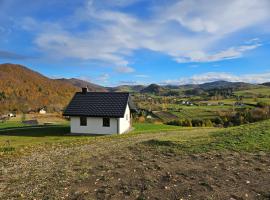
column 7, row 149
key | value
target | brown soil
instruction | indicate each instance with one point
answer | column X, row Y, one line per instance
column 125, row 169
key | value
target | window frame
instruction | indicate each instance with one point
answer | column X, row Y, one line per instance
column 83, row 121
column 106, row 123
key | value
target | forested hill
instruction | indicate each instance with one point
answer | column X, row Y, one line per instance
column 23, row 89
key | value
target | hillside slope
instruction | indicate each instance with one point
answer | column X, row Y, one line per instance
column 225, row 84
column 81, row 83
column 23, row 89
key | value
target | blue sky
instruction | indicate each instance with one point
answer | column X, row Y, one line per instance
column 139, row 41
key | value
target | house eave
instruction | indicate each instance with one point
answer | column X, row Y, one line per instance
column 83, row 115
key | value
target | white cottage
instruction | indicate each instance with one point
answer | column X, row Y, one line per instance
column 100, row 112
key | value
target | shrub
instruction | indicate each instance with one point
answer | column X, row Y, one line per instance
column 197, row 122
column 141, row 119
column 218, row 121
column 262, row 104
column 175, row 123
column 187, row 123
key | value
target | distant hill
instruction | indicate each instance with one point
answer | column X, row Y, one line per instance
column 154, row 89
column 176, row 89
column 127, row 88
column 81, row 83
column 23, row 89
column 224, row 85
column 266, row 84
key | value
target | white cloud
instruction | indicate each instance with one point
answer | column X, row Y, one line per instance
column 197, row 36
column 103, row 78
column 85, row 78
column 124, row 69
column 231, row 53
column 220, row 17
column 132, row 83
column 217, row 76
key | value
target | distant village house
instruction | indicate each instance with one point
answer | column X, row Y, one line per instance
column 42, row 111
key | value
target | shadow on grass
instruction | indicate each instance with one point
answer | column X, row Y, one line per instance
column 37, row 131
column 43, row 131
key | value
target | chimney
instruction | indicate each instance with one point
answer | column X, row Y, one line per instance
column 84, row 90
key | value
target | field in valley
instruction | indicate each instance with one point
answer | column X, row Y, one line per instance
column 155, row 161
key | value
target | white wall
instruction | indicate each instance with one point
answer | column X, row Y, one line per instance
column 94, row 126
column 124, row 123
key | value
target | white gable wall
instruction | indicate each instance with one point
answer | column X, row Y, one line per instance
column 125, row 122
column 94, row 126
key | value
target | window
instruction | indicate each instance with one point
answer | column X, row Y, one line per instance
column 106, row 122
column 83, row 121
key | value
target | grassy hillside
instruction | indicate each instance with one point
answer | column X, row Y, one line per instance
column 19, row 136
column 23, row 89
column 262, row 90
column 252, row 137
column 225, row 84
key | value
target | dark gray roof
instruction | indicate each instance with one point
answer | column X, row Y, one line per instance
column 99, row 104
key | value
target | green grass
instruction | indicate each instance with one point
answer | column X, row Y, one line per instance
column 256, row 91
column 201, row 112
column 148, row 127
column 11, row 124
column 252, row 137
column 29, row 136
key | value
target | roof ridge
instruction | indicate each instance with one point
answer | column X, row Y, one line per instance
column 107, row 92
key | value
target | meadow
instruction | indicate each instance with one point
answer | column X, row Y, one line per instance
column 154, row 161
column 15, row 136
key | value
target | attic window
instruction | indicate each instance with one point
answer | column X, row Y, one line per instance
column 106, row 122
column 83, row 121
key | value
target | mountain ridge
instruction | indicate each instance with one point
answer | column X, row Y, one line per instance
column 82, row 83
column 24, row 89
